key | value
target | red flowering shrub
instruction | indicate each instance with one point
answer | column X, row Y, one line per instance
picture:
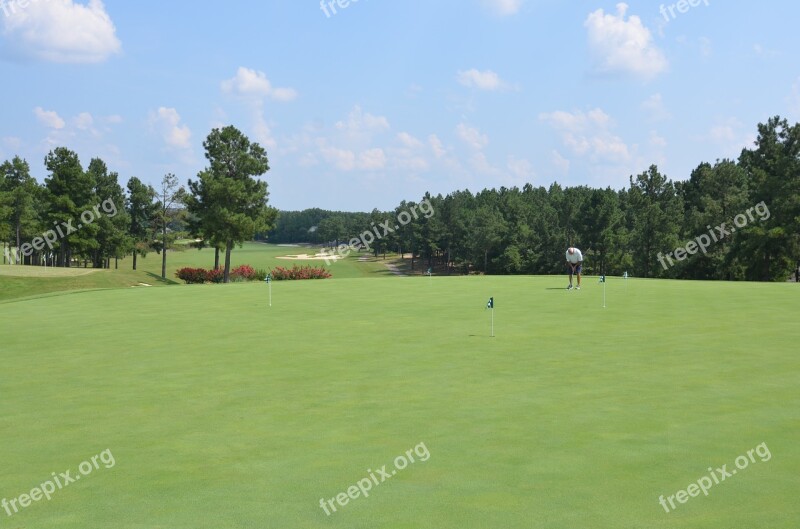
column 201, row 275
column 297, row 273
column 215, row 276
column 243, row 273
column 192, row 275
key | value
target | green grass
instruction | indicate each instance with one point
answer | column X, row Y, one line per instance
column 25, row 281
column 259, row 255
column 223, row 413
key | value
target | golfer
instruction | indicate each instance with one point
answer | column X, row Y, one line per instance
column 575, row 265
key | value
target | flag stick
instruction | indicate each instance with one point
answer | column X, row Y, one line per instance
column 604, row 293
column 492, row 323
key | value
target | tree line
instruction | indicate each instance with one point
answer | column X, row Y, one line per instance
column 84, row 216
column 732, row 220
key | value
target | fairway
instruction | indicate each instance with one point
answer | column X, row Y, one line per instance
column 221, row 412
column 26, row 281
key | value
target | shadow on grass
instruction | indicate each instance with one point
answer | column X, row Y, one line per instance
column 158, row 279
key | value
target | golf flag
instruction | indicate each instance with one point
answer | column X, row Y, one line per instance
column 490, row 305
column 602, row 279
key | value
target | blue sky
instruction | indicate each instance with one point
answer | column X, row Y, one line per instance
column 383, row 101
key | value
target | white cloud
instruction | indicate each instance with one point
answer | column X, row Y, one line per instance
column 764, row 52
column 436, row 146
column 372, row 160
column 656, row 140
column 472, row 136
column 409, row 141
column 480, row 163
column 60, row 31
column 49, row 118
column 252, row 84
column 654, row 107
column 167, row 122
column 730, row 136
column 84, row 121
column 589, row 134
column 623, row 46
column 262, row 132
column 560, row 163
column 347, row 160
column 705, row 46
column 521, row 168
column 794, row 100
column 359, row 122
column 342, row 159
column 503, row 7
column 253, row 88
column 486, row 80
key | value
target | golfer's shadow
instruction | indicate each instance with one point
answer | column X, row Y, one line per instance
column 555, row 288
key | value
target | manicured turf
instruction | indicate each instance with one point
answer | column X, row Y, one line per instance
column 222, row 412
column 260, row 255
column 25, row 281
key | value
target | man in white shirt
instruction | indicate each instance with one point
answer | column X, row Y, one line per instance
column 575, row 265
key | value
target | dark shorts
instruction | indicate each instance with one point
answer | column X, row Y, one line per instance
column 578, row 269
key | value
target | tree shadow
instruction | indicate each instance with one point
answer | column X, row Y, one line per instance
column 158, row 279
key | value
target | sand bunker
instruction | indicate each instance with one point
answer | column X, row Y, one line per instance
column 315, row 257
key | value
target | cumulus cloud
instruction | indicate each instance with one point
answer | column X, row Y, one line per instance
column 502, row 7
column 253, row 84
column 372, row 159
column 472, row 137
column 348, row 160
column 520, row 168
column 167, row 122
column 621, row 45
column 84, row 121
column 560, row 163
column 60, row 31
column 794, row 99
column 436, row 146
column 655, row 109
column 486, row 80
column 254, row 89
column 49, row 118
column 589, row 134
column 359, row 122
column 409, row 141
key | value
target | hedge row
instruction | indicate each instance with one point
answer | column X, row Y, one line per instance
column 248, row 273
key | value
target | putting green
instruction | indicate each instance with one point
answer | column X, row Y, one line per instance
column 223, row 412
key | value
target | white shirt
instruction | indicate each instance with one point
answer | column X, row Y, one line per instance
column 575, row 258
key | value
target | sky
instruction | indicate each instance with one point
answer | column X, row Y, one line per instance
column 363, row 104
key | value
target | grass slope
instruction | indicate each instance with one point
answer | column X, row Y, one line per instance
column 25, row 281
column 221, row 412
